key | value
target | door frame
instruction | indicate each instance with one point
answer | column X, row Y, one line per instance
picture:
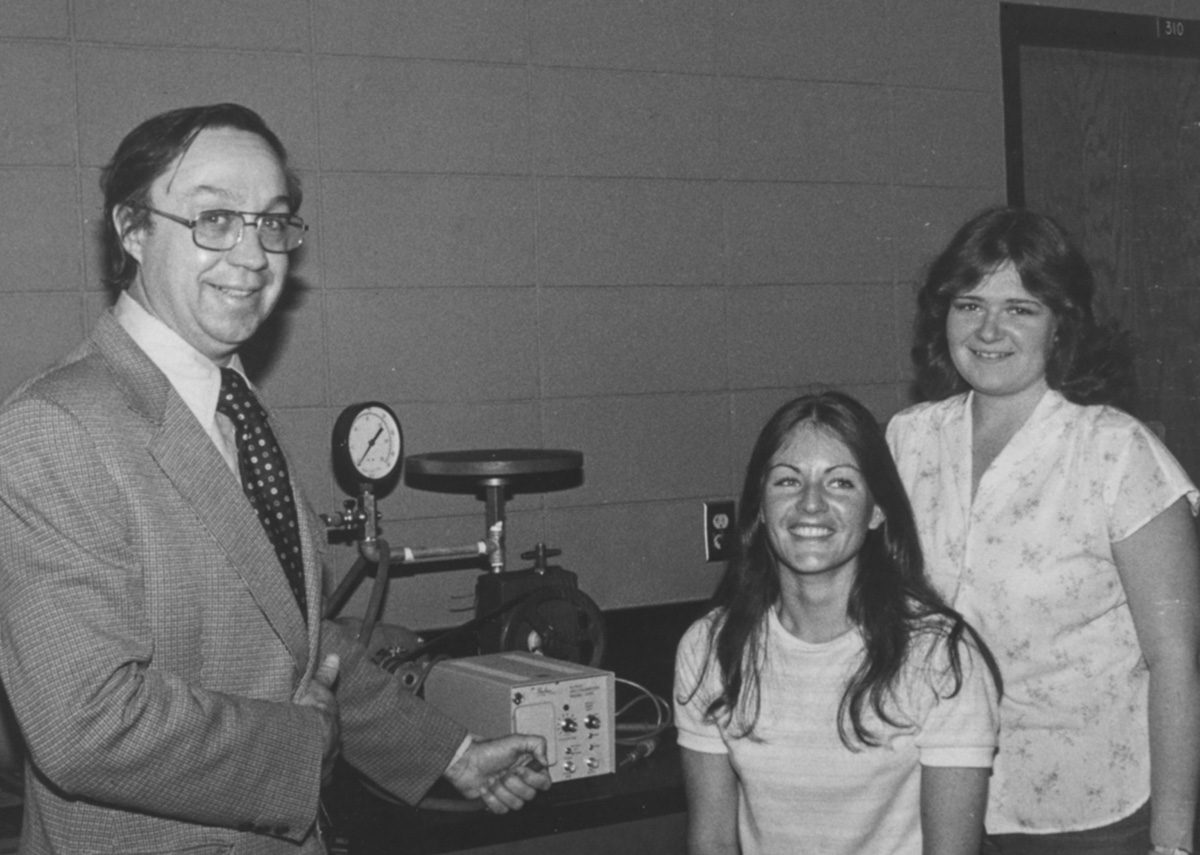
column 1048, row 26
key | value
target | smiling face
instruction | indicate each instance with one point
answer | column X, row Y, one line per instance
column 817, row 508
column 215, row 300
column 1000, row 337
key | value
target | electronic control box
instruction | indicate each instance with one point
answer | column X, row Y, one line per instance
column 572, row 706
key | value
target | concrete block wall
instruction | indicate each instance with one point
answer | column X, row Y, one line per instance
column 628, row 227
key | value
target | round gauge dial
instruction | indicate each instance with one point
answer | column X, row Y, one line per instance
column 367, row 442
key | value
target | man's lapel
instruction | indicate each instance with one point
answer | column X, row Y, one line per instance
column 189, row 460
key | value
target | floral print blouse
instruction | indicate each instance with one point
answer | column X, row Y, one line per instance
column 1029, row 563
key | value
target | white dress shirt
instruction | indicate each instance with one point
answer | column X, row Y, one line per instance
column 193, row 375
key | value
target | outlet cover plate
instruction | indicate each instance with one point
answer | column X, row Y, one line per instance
column 719, row 530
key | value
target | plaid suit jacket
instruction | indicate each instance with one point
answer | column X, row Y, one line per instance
column 149, row 642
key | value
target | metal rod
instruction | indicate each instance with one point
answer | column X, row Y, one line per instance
column 494, row 493
column 414, row 554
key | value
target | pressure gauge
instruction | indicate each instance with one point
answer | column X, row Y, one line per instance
column 367, row 443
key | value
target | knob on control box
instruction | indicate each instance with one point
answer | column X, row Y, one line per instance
column 572, row 706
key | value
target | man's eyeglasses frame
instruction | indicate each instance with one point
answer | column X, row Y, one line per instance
column 292, row 234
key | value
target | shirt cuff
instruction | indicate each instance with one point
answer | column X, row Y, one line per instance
column 462, row 749
column 971, row 756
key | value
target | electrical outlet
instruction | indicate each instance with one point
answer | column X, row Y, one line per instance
column 719, row 530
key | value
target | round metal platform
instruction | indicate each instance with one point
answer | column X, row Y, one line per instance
column 491, row 473
column 495, row 464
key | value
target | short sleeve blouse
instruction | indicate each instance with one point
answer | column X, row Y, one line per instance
column 1029, row 563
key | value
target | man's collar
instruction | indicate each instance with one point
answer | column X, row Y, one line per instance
column 154, row 336
column 195, row 377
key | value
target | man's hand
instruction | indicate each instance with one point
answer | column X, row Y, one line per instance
column 501, row 771
column 319, row 694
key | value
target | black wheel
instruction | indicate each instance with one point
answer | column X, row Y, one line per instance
column 556, row 621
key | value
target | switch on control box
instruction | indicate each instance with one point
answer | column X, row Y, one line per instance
column 719, row 530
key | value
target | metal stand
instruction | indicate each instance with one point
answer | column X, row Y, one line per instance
column 495, row 471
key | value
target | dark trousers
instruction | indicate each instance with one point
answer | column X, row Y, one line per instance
column 1129, row 836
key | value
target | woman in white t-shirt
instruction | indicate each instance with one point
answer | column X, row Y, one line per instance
column 1060, row 527
column 831, row 702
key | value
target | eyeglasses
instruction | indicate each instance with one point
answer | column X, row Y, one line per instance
column 222, row 230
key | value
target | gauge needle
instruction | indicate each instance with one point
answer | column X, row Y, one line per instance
column 369, row 445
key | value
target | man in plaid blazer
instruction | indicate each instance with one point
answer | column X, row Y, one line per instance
column 172, row 695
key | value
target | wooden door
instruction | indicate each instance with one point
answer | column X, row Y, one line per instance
column 1110, row 146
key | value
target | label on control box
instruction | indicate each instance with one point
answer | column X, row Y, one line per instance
column 538, row 719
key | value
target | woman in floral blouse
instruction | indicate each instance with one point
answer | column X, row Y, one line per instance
column 1061, row 528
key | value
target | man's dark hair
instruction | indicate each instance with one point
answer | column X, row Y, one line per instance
column 146, row 153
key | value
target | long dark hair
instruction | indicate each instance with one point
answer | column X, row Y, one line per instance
column 1089, row 362
column 148, row 151
column 890, row 600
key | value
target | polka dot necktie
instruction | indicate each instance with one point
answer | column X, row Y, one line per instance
column 264, row 477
